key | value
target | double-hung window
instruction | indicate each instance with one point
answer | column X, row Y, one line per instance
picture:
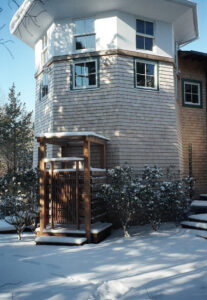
column 44, row 54
column 145, row 35
column 44, row 85
column 146, row 74
column 84, row 35
column 192, row 91
column 84, row 74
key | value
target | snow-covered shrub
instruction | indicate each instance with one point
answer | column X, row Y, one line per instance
column 19, row 193
column 153, row 197
column 175, row 195
column 120, row 195
column 150, row 196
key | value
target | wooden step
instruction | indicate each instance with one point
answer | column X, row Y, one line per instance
column 194, row 225
column 199, row 203
column 62, row 232
column 203, row 197
column 199, row 218
column 199, row 206
column 59, row 240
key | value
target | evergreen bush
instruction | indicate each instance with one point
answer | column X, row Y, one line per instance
column 153, row 197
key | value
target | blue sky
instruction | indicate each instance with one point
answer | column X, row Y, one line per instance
column 20, row 68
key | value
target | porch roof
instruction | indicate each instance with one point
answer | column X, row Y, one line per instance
column 66, row 137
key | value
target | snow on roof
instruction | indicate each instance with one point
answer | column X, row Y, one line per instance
column 70, row 134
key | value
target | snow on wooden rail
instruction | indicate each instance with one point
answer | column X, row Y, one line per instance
column 65, row 159
column 81, row 169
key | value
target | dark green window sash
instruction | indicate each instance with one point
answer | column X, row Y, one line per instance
column 72, row 74
column 184, row 92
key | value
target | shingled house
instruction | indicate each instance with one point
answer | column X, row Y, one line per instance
column 108, row 91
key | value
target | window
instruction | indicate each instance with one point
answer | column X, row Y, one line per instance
column 192, row 93
column 145, row 35
column 44, row 85
column 146, row 74
column 85, row 74
column 84, row 36
column 44, row 54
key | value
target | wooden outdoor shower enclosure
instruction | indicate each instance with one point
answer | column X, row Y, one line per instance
column 66, row 182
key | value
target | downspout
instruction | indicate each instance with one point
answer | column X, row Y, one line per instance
column 177, row 72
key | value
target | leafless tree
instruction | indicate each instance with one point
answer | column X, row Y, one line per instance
column 28, row 19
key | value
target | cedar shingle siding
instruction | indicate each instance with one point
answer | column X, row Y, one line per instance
column 141, row 124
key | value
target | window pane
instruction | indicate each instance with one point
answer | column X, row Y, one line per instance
column 150, row 69
column 90, row 42
column 85, row 81
column 149, row 28
column 79, row 26
column 188, row 88
column 188, row 97
column 150, row 81
column 90, row 67
column 195, row 98
column 80, row 43
column 89, row 26
column 92, row 79
column 140, row 80
column 44, row 90
column 194, row 89
column 140, row 68
column 148, row 44
column 78, row 81
column 139, row 42
column 79, row 69
column 140, row 26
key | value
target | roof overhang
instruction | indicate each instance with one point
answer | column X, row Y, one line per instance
column 200, row 57
column 34, row 16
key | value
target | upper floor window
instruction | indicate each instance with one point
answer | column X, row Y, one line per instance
column 44, row 85
column 192, row 95
column 44, row 54
column 84, row 36
column 146, row 74
column 84, row 74
column 145, row 35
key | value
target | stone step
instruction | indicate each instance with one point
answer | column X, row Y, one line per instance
column 194, row 225
column 60, row 240
column 199, row 217
column 203, row 197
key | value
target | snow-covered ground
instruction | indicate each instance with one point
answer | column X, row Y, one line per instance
column 169, row 264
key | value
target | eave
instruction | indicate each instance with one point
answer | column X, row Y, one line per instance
column 33, row 18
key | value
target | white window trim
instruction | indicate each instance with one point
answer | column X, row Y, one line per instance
column 146, row 35
column 155, row 74
column 199, row 93
column 85, row 86
column 44, row 50
column 82, row 35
